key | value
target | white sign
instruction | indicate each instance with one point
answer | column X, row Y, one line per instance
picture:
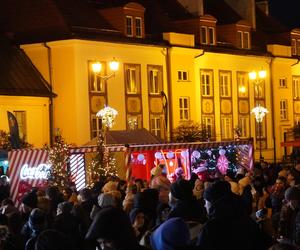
column 39, row 172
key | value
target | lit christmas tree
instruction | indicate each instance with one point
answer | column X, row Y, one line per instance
column 58, row 159
column 103, row 166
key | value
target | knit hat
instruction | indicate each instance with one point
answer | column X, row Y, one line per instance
column 30, row 199
column 292, row 193
column 182, row 189
column 172, row 234
column 37, row 219
column 216, row 191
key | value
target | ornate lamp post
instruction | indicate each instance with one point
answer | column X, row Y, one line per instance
column 97, row 67
column 258, row 111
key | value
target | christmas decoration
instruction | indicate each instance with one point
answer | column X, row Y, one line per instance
column 107, row 115
column 222, row 162
column 58, row 174
column 259, row 113
column 5, row 141
column 103, row 165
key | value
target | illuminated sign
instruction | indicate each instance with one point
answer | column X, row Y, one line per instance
column 39, row 172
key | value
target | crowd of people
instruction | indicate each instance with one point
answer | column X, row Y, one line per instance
column 243, row 210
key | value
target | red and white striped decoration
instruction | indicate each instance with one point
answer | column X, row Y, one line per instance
column 77, row 170
column 17, row 159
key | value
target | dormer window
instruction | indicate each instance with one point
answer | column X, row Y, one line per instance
column 243, row 40
column 295, row 47
column 138, row 27
column 207, row 35
column 129, row 24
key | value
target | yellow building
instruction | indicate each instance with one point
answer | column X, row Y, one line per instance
column 178, row 63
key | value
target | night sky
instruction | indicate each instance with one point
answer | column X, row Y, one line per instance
column 286, row 11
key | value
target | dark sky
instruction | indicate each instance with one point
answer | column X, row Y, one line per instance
column 286, row 11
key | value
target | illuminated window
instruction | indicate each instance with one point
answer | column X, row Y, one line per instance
column 206, row 83
column 129, row 24
column 184, row 108
column 242, row 81
column 225, row 84
column 155, row 79
column 21, row 119
column 283, row 109
column 97, row 84
column 138, row 27
column 132, row 78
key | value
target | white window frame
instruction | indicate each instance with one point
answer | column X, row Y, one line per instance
column 244, row 126
column 182, row 75
column 211, row 40
column 282, row 82
column 95, row 130
column 129, row 26
column 203, row 35
column 155, row 125
column 225, row 84
column 138, row 27
column 298, row 47
column 154, row 81
column 184, row 108
column 226, row 125
column 296, row 86
column 206, row 83
column 208, row 123
column 243, row 39
column 131, row 83
column 283, row 109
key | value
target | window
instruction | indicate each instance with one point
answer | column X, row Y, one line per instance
column 225, row 84
column 242, row 82
column 283, row 109
column 155, row 125
column 206, row 83
column 21, row 119
column 282, row 83
column 96, row 125
column 155, row 79
column 294, row 47
column 259, row 89
column 296, row 86
column 132, row 122
column 243, row 40
column 184, row 108
column 129, row 26
column 203, row 35
column 208, row 123
column 211, row 35
column 207, row 35
column 132, row 78
column 182, row 75
column 244, row 126
column 138, row 27
column 97, row 84
column 226, row 125
column 298, row 47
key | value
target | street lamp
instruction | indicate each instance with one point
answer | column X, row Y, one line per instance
column 97, row 67
column 258, row 111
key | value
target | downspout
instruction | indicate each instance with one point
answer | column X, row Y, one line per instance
column 273, row 108
column 169, row 94
column 49, row 55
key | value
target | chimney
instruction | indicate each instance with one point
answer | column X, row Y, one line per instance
column 245, row 8
column 194, row 7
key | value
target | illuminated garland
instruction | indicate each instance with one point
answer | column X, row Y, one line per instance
column 58, row 159
column 102, row 166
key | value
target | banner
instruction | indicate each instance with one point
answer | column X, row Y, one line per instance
column 14, row 131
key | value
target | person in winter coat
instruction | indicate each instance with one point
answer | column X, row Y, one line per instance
column 229, row 226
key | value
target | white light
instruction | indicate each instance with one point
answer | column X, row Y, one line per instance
column 108, row 116
column 262, row 74
column 5, row 162
column 114, row 65
column 259, row 113
column 252, row 75
column 96, row 67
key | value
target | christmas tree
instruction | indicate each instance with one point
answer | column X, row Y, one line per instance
column 58, row 159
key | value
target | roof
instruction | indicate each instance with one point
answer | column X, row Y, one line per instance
column 122, row 137
column 18, row 76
